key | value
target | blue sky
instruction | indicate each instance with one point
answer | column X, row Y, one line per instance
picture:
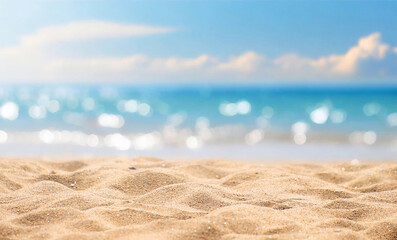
column 237, row 41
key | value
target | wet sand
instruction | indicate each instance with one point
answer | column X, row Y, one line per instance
column 148, row 198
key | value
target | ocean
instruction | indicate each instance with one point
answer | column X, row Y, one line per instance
column 177, row 122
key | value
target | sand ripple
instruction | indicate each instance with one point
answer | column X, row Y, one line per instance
column 149, row 198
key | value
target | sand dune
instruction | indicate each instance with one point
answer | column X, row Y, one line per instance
column 148, row 198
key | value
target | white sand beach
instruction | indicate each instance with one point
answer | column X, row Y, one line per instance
column 148, row 198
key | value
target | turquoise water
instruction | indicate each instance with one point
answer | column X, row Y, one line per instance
column 131, row 120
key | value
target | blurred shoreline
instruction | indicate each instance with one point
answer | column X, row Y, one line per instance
column 264, row 152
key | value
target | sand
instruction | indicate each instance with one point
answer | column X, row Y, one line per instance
column 148, row 198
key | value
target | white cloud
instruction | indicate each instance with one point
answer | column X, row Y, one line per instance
column 395, row 50
column 344, row 65
column 88, row 30
column 247, row 62
column 31, row 60
column 173, row 64
column 135, row 67
column 35, row 45
column 367, row 47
